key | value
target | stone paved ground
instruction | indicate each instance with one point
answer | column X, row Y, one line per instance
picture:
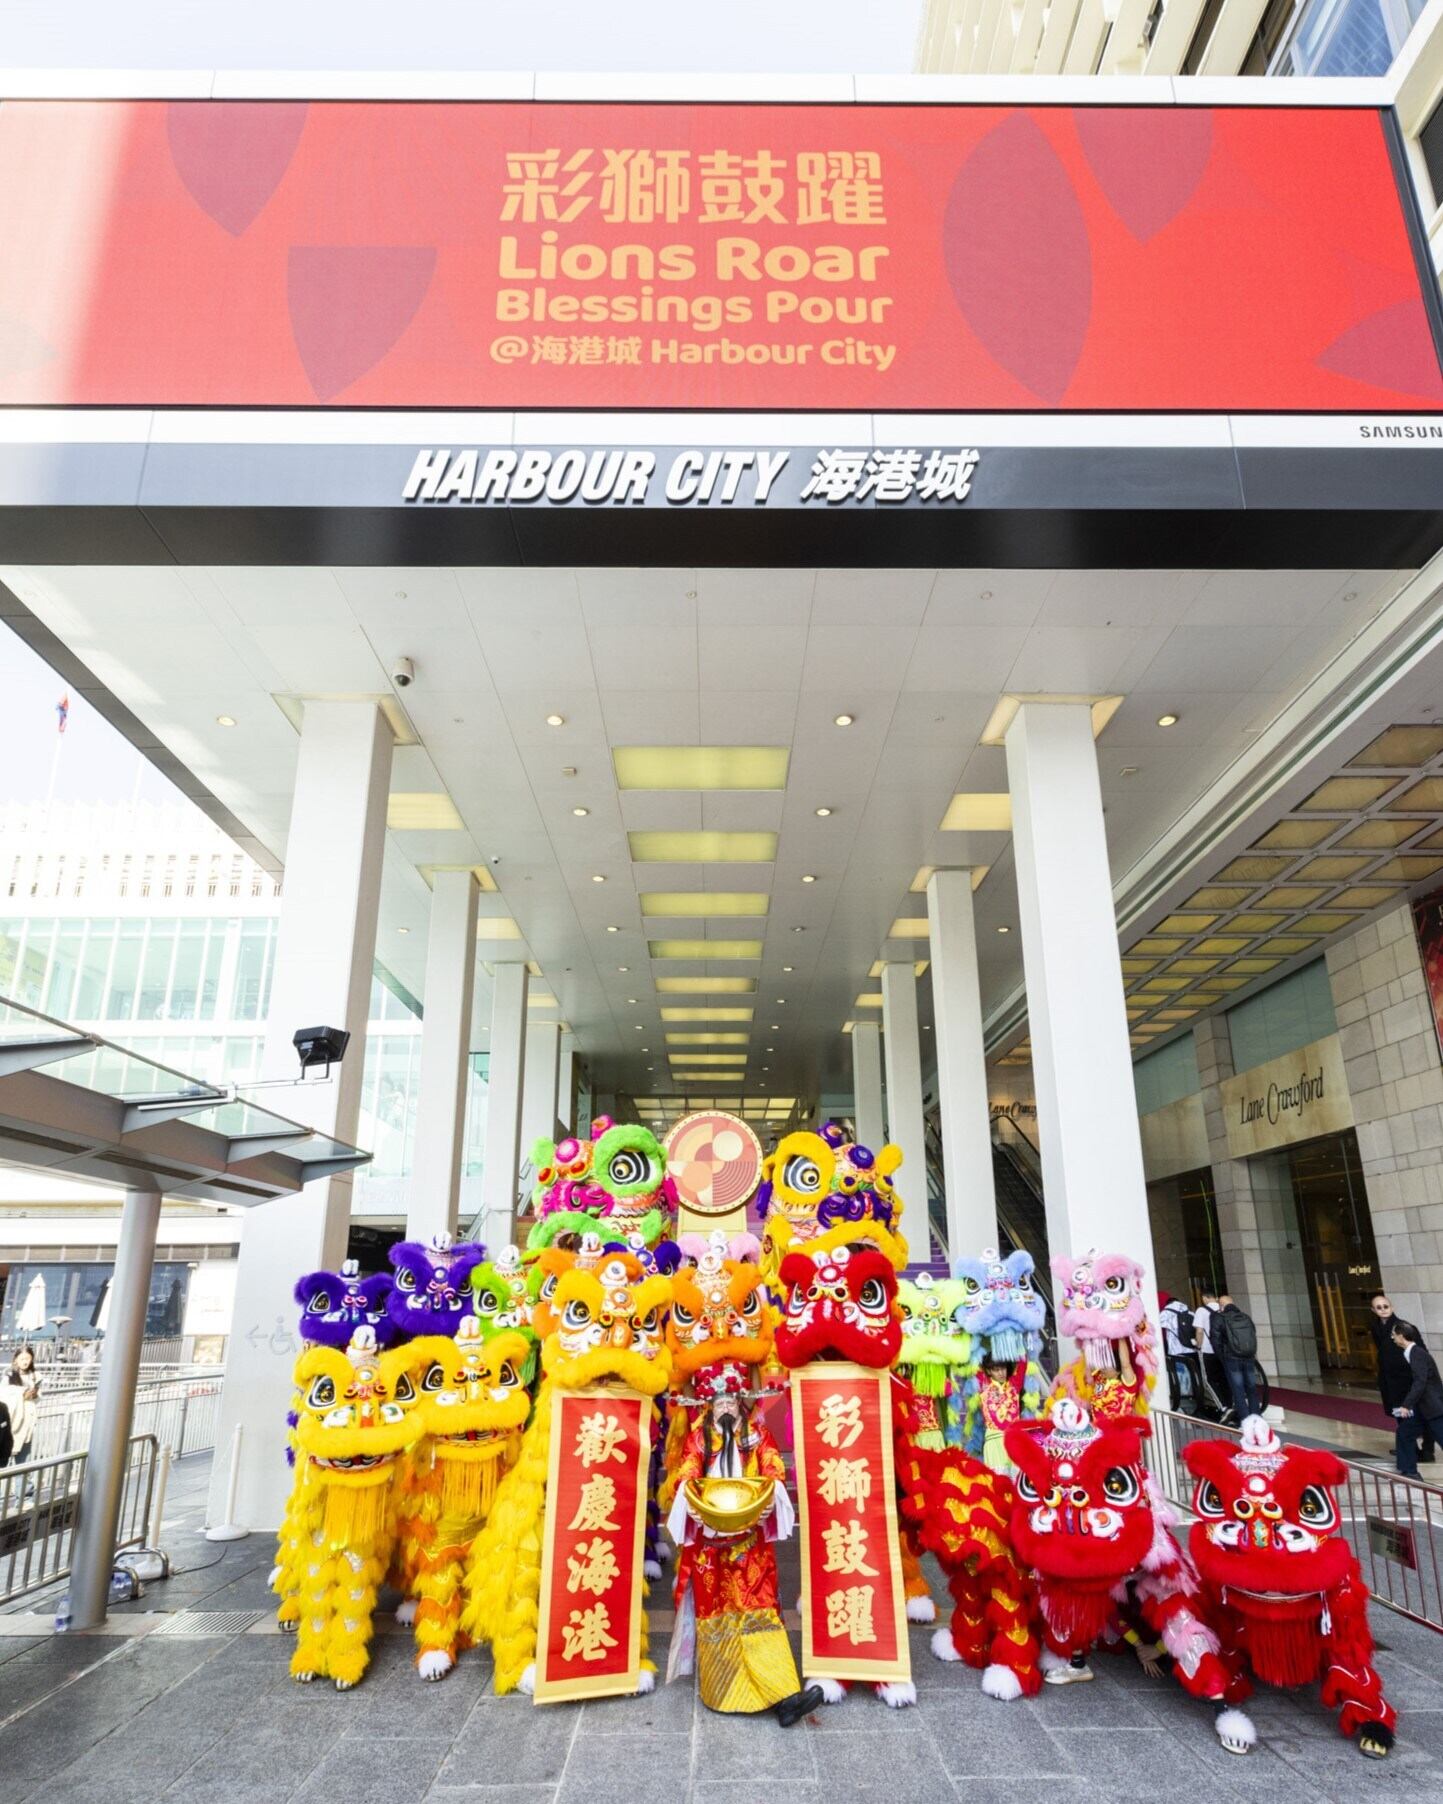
column 99, row 1720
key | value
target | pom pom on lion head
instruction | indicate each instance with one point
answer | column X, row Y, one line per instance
column 606, row 1324
column 840, row 1303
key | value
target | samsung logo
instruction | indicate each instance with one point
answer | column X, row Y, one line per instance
column 1410, row 431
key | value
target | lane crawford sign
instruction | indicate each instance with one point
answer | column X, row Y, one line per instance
column 1299, row 1096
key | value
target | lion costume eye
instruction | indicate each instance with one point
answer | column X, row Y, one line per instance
column 649, row 1322
column 682, row 1316
column 435, row 1378
column 405, row 1278
column 548, row 1286
column 872, row 1295
column 322, row 1393
column 487, row 1301
column 405, row 1390
column 576, row 1314
column 1315, row 1507
column 1115, row 1285
column 751, row 1304
column 1119, row 1485
column 800, row 1173
column 1208, row 1501
column 508, row 1375
column 1026, row 1490
column 319, row 1303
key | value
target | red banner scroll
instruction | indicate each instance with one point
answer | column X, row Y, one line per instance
column 591, row 1573
column 854, row 1616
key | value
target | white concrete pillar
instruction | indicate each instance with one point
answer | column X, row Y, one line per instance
column 501, row 1165
column 867, row 1083
column 1092, row 1176
column 538, row 1084
column 567, row 1071
column 906, row 1123
column 103, row 1486
column 324, row 957
column 433, row 1191
column 961, row 1066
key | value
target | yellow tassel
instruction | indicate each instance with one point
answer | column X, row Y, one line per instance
column 356, row 1513
column 469, row 1479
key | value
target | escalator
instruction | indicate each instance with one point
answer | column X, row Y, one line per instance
column 1017, row 1178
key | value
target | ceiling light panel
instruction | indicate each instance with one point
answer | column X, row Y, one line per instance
column 1253, row 870
column 681, row 903
column 707, row 1058
column 1381, row 833
column 1218, row 898
column 1426, row 794
column 706, row 1039
column 1347, row 793
column 422, row 812
column 706, row 1014
column 909, row 928
column 1409, row 868
column 702, row 847
column 879, row 966
column 1295, row 834
column 1332, row 866
column 869, row 999
column 701, row 766
column 703, row 949
column 497, row 927
column 484, row 879
column 706, row 986
column 978, row 813
column 1405, row 746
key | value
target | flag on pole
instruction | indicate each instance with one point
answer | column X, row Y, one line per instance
column 62, row 712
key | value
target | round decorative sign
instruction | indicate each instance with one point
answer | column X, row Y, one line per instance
column 715, row 1161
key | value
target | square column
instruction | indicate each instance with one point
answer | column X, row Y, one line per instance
column 961, row 1066
column 501, row 1166
column 1092, row 1176
column 906, row 1123
column 867, row 1084
column 325, row 953
column 433, row 1192
column 538, row 1088
column 567, row 1072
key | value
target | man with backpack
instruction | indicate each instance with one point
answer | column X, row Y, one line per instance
column 1234, row 1338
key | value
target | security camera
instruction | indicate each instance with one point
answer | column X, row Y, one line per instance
column 403, row 673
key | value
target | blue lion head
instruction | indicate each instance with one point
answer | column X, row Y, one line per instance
column 1000, row 1305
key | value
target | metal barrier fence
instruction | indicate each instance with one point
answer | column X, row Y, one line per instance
column 39, row 1503
column 181, row 1413
column 1393, row 1523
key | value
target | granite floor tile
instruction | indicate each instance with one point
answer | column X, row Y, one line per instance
column 734, row 1747
column 895, row 1766
column 511, row 1741
column 401, row 1773
column 638, row 1768
column 978, row 1736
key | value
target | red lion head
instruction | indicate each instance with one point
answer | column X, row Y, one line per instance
column 1082, row 1513
column 1267, row 1525
column 840, row 1304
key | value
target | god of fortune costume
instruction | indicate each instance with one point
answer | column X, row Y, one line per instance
column 1003, row 1318
column 430, row 1292
column 1100, row 1305
column 935, row 1350
column 602, row 1324
column 333, row 1306
column 728, row 1487
column 1097, row 1534
column 1285, row 1588
column 357, row 1419
column 474, row 1404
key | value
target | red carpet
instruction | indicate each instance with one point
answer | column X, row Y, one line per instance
column 1366, row 1412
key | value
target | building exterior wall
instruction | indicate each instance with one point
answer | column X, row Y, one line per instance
column 1395, row 1077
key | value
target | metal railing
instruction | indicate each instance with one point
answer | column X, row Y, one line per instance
column 1393, row 1524
column 39, row 1503
column 181, row 1413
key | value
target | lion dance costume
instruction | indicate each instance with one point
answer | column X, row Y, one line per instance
column 474, row 1404
column 1097, row 1534
column 600, row 1324
column 357, row 1420
column 1285, row 1587
column 1002, row 1317
column 1100, row 1304
column 728, row 1482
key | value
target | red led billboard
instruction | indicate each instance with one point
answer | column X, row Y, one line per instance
column 950, row 259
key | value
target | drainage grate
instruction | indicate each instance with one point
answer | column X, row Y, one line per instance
column 209, row 1622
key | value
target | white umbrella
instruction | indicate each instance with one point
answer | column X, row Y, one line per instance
column 33, row 1311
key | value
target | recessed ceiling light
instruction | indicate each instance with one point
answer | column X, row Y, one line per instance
column 640, row 1027
column 623, row 968
column 1128, row 770
column 613, row 930
column 844, row 720
column 403, row 930
column 631, row 999
column 556, row 720
column 647, row 1049
column 809, row 878
column 787, row 968
column 1167, row 720
column 799, row 930
column 822, row 813
column 776, row 1027
column 1004, row 930
column 598, row 878
column 581, row 813
column 926, row 1027
column 225, row 720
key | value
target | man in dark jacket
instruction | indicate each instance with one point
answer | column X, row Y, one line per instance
column 1394, row 1378
column 1422, row 1405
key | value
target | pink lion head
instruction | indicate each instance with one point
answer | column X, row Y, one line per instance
column 1099, row 1301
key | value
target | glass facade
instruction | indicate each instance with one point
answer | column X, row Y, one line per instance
column 46, row 1300
column 193, row 993
column 1290, row 1013
column 1166, row 1075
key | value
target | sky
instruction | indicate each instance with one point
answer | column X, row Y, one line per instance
column 739, row 36
column 89, row 762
